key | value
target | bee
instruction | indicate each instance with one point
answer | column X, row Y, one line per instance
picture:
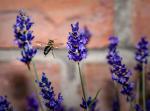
column 49, row 46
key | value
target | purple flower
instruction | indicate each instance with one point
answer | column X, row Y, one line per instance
column 148, row 105
column 120, row 73
column 137, row 107
column 142, row 53
column 24, row 37
column 113, row 43
column 87, row 35
column 48, row 94
column 32, row 103
column 89, row 104
column 27, row 53
column 4, row 104
column 77, row 42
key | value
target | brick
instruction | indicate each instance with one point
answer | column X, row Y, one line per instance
column 141, row 19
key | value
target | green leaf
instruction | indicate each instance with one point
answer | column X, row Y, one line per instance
column 93, row 100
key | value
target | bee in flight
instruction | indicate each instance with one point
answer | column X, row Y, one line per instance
column 49, row 46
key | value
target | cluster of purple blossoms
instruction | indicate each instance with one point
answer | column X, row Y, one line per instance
column 48, row 95
column 32, row 103
column 24, row 37
column 86, row 34
column 77, row 42
column 137, row 107
column 148, row 105
column 89, row 104
column 4, row 104
column 142, row 53
column 120, row 73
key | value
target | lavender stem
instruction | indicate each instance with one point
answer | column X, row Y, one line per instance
column 143, row 87
column 82, row 83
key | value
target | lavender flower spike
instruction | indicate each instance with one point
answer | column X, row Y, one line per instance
column 23, row 37
column 120, row 73
column 142, row 53
column 77, row 42
column 137, row 107
column 48, row 95
column 89, row 104
column 32, row 103
column 4, row 104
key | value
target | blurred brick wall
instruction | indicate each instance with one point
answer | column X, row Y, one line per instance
column 53, row 18
column 141, row 19
column 52, row 21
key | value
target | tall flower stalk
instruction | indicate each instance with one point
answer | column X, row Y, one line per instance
column 120, row 73
column 23, row 38
column 143, row 87
column 77, row 50
column 141, row 56
column 82, row 83
column 51, row 102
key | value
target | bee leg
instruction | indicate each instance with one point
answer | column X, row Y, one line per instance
column 53, row 53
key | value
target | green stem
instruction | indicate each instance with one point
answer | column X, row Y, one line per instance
column 82, row 83
column 143, row 88
column 53, row 53
column 132, row 106
column 36, row 88
column 116, row 92
column 138, row 90
column 93, row 100
column 35, row 71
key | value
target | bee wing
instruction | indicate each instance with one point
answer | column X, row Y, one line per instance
column 53, row 53
column 40, row 44
column 57, row 45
